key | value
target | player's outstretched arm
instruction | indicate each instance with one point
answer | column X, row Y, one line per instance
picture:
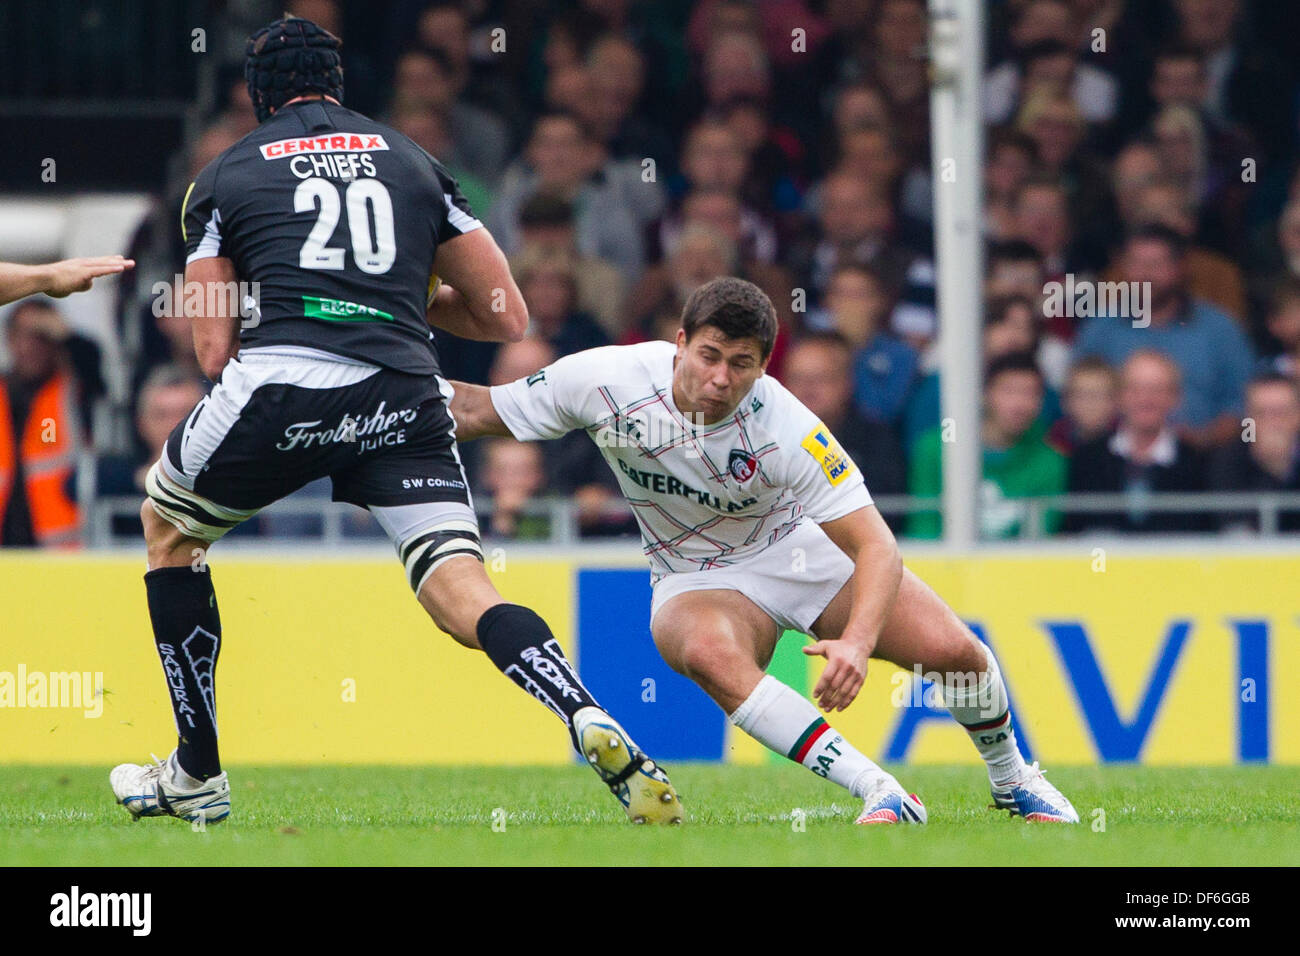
column 478, row 298
column 57, row 278
column 475, row 415
column 878, row 570
column 216, row 334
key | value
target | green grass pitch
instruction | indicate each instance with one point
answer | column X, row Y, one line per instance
column 375, row 816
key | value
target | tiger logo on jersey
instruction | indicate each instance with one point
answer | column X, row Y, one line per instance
column 742, row 465
column 828, row 453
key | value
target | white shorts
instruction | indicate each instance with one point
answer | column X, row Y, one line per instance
column 791, row 581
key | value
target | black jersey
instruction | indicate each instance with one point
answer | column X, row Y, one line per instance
column 338, row 219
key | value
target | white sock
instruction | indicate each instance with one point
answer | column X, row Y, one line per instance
column 177, row 776
column 786, row 722
column 980, row 705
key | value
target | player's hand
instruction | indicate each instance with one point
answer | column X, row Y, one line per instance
column 76, row 275
column 846, row 670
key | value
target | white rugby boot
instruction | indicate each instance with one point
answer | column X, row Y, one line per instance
column 888, row 802
column 148, row 790
column 1033, row 798
column 637, row 781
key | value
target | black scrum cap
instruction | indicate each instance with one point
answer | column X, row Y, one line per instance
column 291, row 57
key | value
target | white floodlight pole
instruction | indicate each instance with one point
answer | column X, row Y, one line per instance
column 957, row 159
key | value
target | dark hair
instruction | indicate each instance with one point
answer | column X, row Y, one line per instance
column 1042, row 50
column 445, row 6
column 168, row 375
column 733, row 105
column 433, row 54
column 995, row 310
column 27, row 305
column 1274, row 378
column 1013, row 250
column 1154, row 232
column 736, row 308
column 1012, row 362
column 828, row 337
column 1024, row 9
column 563, row 115
column 1009, row 137
column 1180, row 51
column 546, row 209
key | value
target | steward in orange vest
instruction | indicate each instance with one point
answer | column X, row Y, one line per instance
column 40, row 434
column 45, row 455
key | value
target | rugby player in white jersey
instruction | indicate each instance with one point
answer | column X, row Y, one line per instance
column 754, row 521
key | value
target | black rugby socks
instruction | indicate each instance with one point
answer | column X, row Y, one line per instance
column 518, row 642
column 187, row 630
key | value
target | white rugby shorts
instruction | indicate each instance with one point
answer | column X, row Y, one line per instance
column 791, row 581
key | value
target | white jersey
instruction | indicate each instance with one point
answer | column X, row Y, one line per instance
column 705, row 496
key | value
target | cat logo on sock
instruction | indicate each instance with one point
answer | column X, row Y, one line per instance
column 828, row 453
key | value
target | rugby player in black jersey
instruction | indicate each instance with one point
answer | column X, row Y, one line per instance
column 355, row 241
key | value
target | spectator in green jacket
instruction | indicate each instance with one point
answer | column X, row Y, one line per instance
column 1018, row 462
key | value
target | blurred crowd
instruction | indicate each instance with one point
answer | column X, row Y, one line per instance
column 624, row 152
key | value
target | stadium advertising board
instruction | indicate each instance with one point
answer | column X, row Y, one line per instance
column 1160, row 660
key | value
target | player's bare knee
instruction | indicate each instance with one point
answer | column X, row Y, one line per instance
column 456, row 612
column 164, row 542
column 709, row 658
column 445, row 618
column 444, row 565
column 461, row 628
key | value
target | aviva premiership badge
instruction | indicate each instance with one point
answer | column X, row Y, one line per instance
column 742, row 465
column 828, row 453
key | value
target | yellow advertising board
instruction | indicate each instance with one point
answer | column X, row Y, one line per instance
column 1158, row 659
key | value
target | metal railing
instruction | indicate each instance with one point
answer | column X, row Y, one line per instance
column 342, row 524
column 1266, row 506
